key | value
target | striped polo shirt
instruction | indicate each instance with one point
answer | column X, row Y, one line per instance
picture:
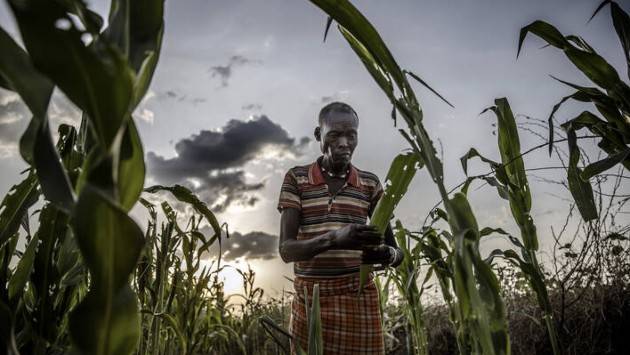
column 304, row 188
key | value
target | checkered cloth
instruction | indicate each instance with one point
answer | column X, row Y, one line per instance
column 351, row 324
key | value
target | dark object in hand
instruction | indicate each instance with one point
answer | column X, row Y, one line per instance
column 356, row 237
column 381, row 254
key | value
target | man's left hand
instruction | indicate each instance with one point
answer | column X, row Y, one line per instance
column 380, row 254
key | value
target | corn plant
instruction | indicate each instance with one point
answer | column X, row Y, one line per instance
column 405, row 277
column 399, row 176
column 511, row 181
column 476, row 285
column 610, row 96
column 105, row 73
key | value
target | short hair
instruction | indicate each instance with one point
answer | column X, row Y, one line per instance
column 336, row 106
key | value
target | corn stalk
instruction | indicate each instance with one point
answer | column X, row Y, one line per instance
column 92, row 186
column 476, row 286
column 511, row 181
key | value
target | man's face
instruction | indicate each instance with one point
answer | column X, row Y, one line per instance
column 339, row 137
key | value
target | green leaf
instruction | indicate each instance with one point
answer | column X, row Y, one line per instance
column 401, row 172
column 596, row 68
column 52, row 176
column 20, row 75
column 488, row 230
column 184, row 195
column 581, row 190
column 106, row 328
column 131, row 168
column 604, row 164
column 354, row 23
column 146, row 29
column 96, row 78
column 110, row 243
column 472, row 152
column 15, row 204
column 418, row 79
column 23, row 270
column 315, row 341
column 545, row 31
column 399, row 176
column 36, row 146
column 621, row 22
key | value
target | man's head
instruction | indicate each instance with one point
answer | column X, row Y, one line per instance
column 337, row 132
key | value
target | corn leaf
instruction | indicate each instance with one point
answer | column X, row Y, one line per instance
column 621, row 22
column 15, row 205
column 399, row 176
column 581, row 190
column 36, row 146
column 110, row 243
column 131, row 169
column 103, row 85
column 23, row 270
column 184, row 195
column 315, row 341
column 604, row 164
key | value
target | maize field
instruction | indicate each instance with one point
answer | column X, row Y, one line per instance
column 90, row 280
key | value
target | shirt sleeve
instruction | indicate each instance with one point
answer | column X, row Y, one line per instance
column 289, row 193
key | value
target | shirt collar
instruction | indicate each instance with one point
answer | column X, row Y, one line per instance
column 315, row 176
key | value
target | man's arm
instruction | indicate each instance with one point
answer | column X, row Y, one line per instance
column 351, row 236
column 292, row 249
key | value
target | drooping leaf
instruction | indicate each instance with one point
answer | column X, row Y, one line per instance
column 581, row 190
column 599, row 167
column 15, row 204
column 621, row 22
column 418, row 79
column 184, row 195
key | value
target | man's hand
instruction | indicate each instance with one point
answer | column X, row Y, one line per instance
column 356, row 237
column 381, row 254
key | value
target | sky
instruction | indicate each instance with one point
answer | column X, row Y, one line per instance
column 239, row 84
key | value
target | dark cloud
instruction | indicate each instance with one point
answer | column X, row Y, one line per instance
column 211, row 162
column 224, row 72
column 252, row 245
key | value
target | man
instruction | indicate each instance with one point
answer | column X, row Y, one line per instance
column 325, row 206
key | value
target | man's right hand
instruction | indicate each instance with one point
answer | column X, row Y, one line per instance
column 356, row 237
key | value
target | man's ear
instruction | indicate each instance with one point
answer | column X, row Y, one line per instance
column 318, row 133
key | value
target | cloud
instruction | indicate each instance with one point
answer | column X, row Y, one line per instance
column 336, row 96
column 224, row 72
column 252, row 107
column 13, row 122
column 211, row 162
column 173, row 95
column 252, row 245
column 14, row 118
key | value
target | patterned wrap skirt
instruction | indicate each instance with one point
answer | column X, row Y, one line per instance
column 351, row 324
